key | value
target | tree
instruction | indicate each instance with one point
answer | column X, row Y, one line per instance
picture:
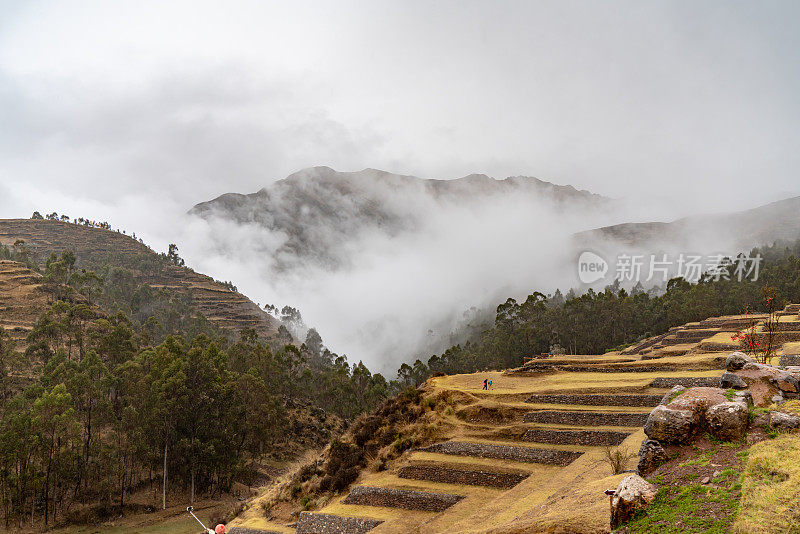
column 172, row 255
column 54, row 422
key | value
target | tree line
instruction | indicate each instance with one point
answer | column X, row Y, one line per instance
column 599, row 321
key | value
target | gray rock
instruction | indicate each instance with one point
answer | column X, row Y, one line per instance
column 705, row 480
column 670, row 426
column 632, row 494
column 786, row 383
column 778, row 399
column 670, row 395
column 651, row 455
column 761, row 420
column 743, row 397
column 737, row 360
column 730, row 380
column 783, row 421
column 728, row 421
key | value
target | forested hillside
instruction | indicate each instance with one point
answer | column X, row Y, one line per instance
column 118, row 391
column 596, row 322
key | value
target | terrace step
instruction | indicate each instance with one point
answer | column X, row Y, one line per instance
column 314, row 523
column 687, row 381
column 505, row 452
column 406, row 499
column 457, row 475
column 581, row 418
column 542, row 367
column 575, row 437
column 597, row 400
column 242, row 530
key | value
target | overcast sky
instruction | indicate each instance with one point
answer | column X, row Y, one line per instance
column 132, row 112
column 105, row 103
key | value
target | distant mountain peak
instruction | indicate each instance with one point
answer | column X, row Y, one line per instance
column 319, row 209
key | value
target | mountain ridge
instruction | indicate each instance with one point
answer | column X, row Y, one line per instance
column 746, row 228
column 316, row 210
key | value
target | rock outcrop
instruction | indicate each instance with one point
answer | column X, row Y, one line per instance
column 651, row 455
column 766, row 383
column 728, row 420
column 783, row 421
column 632, row 494
column 688, row 411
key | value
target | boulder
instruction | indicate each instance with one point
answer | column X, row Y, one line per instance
column 787, row 383
column 765, row 381
column 728, row 420
column 761, row 421
column 784, row 422
column 670, row 395
column 737, row 360
column 670, row 425
column 632, row 494
column 743, row 396
column 698, row 399
column 731, row 380
column 651, row 455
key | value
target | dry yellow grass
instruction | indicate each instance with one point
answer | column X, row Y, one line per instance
column 792, row 348
column 560, row 382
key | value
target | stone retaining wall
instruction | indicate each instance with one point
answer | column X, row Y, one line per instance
column 575, row 437
column 471, row 477
column 789, row 359
column 687, row 381
column 553, row 417
column 693, row 336
column 405, row 499
column 311, row 523
column 505, row 452
column 597, row 400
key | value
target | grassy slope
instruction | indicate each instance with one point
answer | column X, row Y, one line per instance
column 771, row 484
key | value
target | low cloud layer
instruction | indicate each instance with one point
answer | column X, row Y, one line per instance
column 391, row 293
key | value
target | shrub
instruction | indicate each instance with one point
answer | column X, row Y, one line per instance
column 617, row 458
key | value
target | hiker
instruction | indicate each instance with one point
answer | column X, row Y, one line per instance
column 485, row 383
column 490, row 383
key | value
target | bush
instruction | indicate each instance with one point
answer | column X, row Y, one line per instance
column 616, row 458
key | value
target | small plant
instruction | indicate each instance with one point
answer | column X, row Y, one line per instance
column 761, row 343
column 617, row 458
